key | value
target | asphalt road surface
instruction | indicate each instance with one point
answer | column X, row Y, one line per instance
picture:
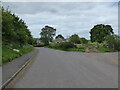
column 60, row 69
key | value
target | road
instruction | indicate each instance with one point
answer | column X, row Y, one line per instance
column 60, row 69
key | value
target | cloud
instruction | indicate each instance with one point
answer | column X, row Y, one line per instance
column 67, row 17
column 61, row 1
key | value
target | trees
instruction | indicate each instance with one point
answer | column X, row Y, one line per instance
column 59, row 36
column 14, row 29
column 113, row 42
column 99, row 32
column 47, row 33
column 84, row 41
column 75, row 39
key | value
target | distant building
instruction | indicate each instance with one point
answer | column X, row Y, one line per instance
column 38, row 41
column 59, row 40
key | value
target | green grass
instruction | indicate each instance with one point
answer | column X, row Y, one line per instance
column 91, row 50
column 8, row 54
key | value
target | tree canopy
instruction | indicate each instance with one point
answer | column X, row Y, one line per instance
column 84, row 41
column 14, row 29
column 74, row 39
column 47, row 33
column 99, row 32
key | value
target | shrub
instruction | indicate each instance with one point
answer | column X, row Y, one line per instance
column 103, row 49
column 79, row 46
column 113, row 42
column 84, row 41
column 54, row 45
column 63, row 45
column 66, row 45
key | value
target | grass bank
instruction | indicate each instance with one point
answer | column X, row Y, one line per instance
column 8, row 54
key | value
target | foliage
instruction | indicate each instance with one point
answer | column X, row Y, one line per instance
column 92, row 44
column 47, row 33
column 91, row 49
column 66, row 45
column 103, row 49
column 84, row 41
column 14, row 29
column 113, row 42
column 62, row 45
column 75, row 39
column 15, row 35
column 79, row 46
column 99, row 32
column 76, row 49
column 59, row 36
column 54, row 45
column 8, row 54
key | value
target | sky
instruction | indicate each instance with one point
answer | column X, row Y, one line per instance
column 67, row 17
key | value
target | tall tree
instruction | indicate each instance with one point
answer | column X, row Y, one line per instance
column 47, row 33
column 14, row 29
column 99, row 32
column 75, row 39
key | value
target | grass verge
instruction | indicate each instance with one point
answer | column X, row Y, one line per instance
column 8, row 54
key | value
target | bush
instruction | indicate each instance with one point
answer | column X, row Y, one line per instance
column 84, row 41
column 79, row 46
column 63, row 45
column 103, row 49
column 113, row 42
column 54, row 45
column 117, row 45
column 66, row 45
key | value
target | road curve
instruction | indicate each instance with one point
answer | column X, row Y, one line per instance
column 60, row 69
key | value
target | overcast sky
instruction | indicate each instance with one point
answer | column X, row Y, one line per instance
column 67, row 17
